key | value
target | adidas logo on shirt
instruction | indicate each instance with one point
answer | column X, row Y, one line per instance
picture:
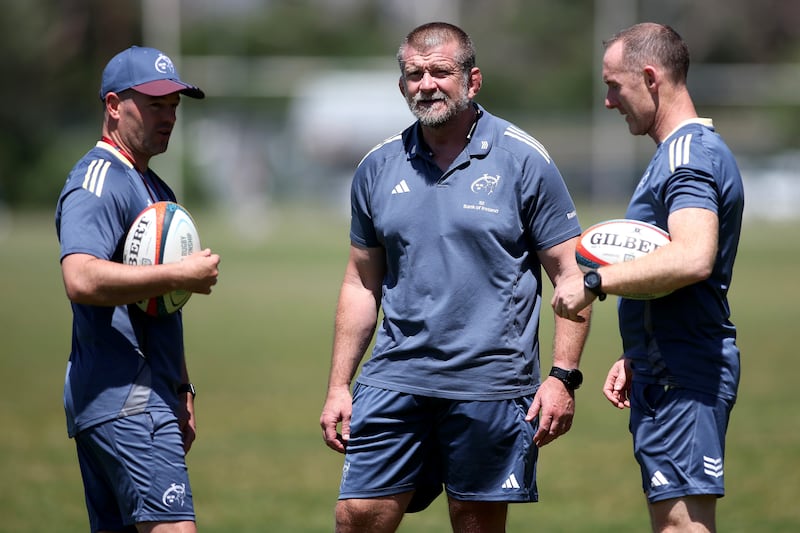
column 95, row 176
column 679, row 150
column 401, row 188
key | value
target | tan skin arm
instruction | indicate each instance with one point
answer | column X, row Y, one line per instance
column 93, row 281
column 553, row 403
column 687, row 259
column 356, row 319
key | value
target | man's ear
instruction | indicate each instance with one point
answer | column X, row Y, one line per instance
column 475, row 82
column 402, row 86
column 112, row 104
column 651, row 77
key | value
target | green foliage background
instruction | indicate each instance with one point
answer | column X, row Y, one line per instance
column 537, row 57
column 258, row 349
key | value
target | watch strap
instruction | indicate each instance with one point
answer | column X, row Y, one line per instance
column 183, row 388
column 572, row 379
column 592, row 281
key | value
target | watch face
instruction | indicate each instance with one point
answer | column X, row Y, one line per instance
column 592, row 282
column 574, row 378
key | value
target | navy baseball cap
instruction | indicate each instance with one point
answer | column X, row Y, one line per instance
column 145, row 70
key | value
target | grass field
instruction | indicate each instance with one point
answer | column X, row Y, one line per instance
column 258, row 350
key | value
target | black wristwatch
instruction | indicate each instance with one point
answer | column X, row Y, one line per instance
column 183, row 388
column 571, row 379
column 593, row 281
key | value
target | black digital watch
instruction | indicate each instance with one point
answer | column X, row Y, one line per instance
column 571, row 379
column 592, row 281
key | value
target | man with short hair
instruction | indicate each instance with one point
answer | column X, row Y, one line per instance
column 452, row 223
column 128, row 398
column 679, row 372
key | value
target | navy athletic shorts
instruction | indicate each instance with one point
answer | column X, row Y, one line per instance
column 679, row 440
column 134, row 470
column 479, row 450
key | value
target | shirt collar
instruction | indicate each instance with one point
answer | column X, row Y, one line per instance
column 116, row 153
column 707, row 122
column 479, row 138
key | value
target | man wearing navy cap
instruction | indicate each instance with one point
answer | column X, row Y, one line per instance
column 128, row 399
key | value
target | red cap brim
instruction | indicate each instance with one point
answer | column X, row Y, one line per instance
column 164, row 87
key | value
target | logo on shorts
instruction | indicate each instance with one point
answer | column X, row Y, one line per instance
column 174, row 494
column 658, row 479
column 345, row 471
column 510, row 483
column 712, row 466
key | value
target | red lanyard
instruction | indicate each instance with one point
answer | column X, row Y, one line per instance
column 119, row 149
column 127, row 156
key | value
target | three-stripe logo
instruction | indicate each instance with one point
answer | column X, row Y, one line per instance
column 511, row 482
column 712, row 466
column 679, row 151
column 95, row 176
column 401, row 188
column 658, row 479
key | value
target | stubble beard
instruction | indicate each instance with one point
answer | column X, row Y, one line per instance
column 155, row 146
column 431, row 117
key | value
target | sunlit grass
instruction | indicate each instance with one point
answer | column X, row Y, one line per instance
column 258, row 351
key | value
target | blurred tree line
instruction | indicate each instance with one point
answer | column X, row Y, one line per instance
column 537, row 56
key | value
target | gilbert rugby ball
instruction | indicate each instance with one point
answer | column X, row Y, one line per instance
column 618, row 240
column 163, row 232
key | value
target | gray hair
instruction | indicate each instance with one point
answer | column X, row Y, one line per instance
column 435, row 34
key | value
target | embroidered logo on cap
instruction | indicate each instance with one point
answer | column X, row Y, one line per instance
column 164, row 64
